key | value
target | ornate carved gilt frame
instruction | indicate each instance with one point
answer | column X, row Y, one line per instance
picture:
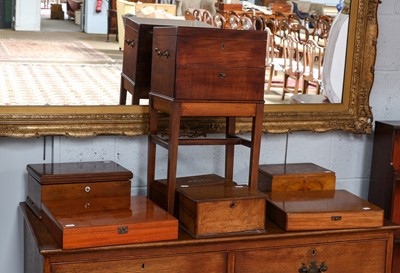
column 353, row 115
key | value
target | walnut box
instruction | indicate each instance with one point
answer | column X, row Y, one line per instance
column 208, row 64
column 61, row 181
column 158, row 192
column 322, row 210
column 217, row 210
column 295, row 177
column 107, row 221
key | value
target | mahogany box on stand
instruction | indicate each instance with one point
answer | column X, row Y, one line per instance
column 62, row 181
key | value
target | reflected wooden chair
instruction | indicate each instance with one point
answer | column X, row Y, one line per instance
column 207, row 18
column 240, row 22
column 314, row 55
column 294, row 68
column 219, row 21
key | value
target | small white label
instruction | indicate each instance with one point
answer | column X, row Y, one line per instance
column 184, row 186
column 366, row 208
column 239, row 186
column 70, row 225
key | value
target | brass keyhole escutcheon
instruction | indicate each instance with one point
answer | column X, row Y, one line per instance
column 87, row 189
column 222, row 46
column 232, row 205
column 222, row 75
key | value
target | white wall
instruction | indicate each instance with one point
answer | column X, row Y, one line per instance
column 27, row 15
column 346, row 154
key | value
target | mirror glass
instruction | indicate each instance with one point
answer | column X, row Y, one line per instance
column 351, row 113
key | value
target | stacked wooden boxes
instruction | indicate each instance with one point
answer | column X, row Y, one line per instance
column 88, row 204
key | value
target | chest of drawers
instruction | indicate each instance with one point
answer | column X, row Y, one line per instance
column 348, row 250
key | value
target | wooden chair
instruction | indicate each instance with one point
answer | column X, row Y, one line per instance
column 206, row 17
column 219, row 21
column 313, row 56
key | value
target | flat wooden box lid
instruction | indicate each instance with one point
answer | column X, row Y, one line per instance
column 220, row 192
column 136, row 21
column 106, row 211
column 292, row 202
column 293, row 169
column 78, row 172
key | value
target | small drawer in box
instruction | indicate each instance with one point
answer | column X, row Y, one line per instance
column 218, row 210
column 61, row 181
column 322, row 210
column 205, row 64
column 295, row 177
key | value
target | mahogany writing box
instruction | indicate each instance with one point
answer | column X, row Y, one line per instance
column 61, row 181
column 208, row 64
column 226, row 209
column 322, row 210
column 295, row 177
column 81, row 223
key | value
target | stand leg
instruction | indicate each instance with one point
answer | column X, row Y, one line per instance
column 255, row 146
column 229, row 149
column 122, row 94
column 174, row 126
column 151, row 153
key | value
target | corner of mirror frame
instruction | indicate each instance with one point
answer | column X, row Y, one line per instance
column 353, row 115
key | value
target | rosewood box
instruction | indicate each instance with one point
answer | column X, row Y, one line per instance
column 295, row 177
column 61, row 181
column 208, row 64
column 217, row 210
column 322, row 210
column 105, row 221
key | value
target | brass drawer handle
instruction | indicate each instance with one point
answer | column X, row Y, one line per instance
column 160, row 53
column 130, row 43
column 313, row 268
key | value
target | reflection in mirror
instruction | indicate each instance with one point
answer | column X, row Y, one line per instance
column 89, row 73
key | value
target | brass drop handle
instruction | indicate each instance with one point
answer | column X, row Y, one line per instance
column 130, row 43
column 313, row 268
column 160, row 53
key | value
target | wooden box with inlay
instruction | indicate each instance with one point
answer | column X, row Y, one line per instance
column 75, row 180
column 295, row 177
column 218, row 210
column 322, row 210
column 106, row 221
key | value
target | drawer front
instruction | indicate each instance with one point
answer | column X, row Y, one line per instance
column 130, row 53
column 354, row 257
column 213, row 83
column 197, row 263
column 85, row 190
column 239, row 53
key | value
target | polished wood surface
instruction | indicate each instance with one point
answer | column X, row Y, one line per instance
column 136, row 65
column 107, row 221
column 348, row 250
column 295, row 177
column 77, row 172
column 217, row 210
column 208, row 64
column 315, row 210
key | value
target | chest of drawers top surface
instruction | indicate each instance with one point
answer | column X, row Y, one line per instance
column 208, row 64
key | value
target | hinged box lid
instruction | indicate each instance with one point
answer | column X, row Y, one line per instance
column 107, row 221
column 319, row 210
column 78, row 172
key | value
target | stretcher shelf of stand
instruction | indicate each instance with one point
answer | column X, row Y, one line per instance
column 205, row 141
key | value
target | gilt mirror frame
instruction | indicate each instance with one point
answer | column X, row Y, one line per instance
column 352, row 115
